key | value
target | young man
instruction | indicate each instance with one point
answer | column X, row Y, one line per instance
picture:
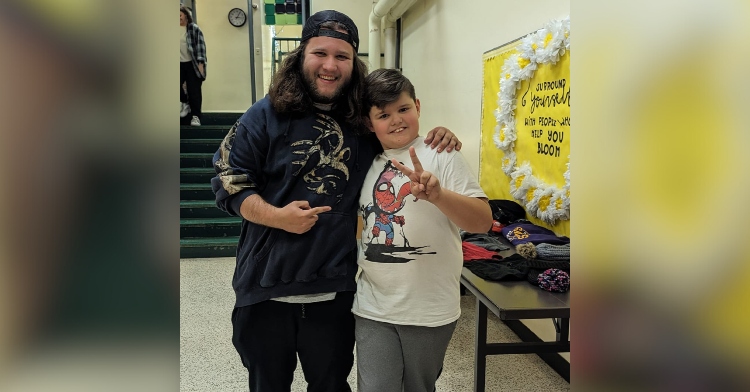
column 407, row 299
column 293, row 166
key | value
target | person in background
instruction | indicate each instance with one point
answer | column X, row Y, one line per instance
column 407, row 299
column 292, row 167
column 192, row 66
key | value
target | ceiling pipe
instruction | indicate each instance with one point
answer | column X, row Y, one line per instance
column 389, row 29
column 379, row 10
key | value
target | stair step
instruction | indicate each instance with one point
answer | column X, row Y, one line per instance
column 204, row 132
column 221, row 118
column 197, row 191
column 195, row 209
column 210, row 227
column 211, row 221
column 199, row 145
column 199, row 175
column 196, row 159
column 205, row 127
column 205, row 230
column 208, row 247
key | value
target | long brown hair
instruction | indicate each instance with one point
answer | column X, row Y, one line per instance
column 289, row 94
column 188, row 14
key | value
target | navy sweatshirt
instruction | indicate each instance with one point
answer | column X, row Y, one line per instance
column 313, row 157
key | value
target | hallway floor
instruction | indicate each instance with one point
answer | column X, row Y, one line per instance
column 209, row 363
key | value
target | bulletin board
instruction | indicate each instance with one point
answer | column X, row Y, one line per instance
column 525, row 125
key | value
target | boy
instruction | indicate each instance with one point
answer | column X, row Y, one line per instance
column 407, row 300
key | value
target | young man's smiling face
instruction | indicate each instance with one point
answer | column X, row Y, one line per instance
column 397, row 124
column 327, row 67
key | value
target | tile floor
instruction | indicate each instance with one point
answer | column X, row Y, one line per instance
column 209, row 363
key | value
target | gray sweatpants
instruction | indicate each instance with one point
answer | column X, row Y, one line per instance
column 395, row 358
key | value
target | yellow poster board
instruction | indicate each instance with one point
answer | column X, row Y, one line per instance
column 525, row 125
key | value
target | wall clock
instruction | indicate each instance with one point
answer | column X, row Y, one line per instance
column 237, row 17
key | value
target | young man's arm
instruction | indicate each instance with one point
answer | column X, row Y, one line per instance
column 472, row 214
column 296, row 217
column 238, row 165
column 443, row 139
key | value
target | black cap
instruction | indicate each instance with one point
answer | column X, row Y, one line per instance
column 312, row 27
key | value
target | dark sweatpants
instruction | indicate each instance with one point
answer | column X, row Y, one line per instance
column 269, row 335
column 194, row 96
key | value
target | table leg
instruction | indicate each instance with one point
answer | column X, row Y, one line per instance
column 562, row 327
column 480, row 346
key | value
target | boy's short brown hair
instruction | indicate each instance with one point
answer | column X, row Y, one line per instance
column 384, row 86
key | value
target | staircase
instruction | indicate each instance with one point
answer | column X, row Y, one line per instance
column 205, row 230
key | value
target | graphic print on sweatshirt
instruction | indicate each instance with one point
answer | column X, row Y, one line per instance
column 389, row 196
column 330, row 174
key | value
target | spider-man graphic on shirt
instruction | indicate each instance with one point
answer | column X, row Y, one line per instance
column 389, row 196
column 388, row 201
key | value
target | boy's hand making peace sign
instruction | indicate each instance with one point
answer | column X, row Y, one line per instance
column 424, row 185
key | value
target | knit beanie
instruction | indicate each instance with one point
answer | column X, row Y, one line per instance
column 512, row 267
column 523, row 231
column 554, row 280
column 527, row 250
column 552, row 252
column 537, row 266
column 506, row 211
column 476, row 252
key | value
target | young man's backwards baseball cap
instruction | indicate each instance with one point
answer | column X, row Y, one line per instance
column 312, row 27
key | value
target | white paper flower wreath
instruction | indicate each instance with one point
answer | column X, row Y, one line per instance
column 547, row 202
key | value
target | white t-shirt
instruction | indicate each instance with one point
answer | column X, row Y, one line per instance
column 410, row 270
column 184, row 54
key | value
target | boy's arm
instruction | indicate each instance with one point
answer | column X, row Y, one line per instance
column 469, row 213
column 473, row 214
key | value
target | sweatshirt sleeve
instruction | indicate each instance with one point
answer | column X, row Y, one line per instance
column 239, row 162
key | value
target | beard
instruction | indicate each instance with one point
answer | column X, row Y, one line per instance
column 319, row 97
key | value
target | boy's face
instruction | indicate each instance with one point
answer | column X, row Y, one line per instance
column 397, row 124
